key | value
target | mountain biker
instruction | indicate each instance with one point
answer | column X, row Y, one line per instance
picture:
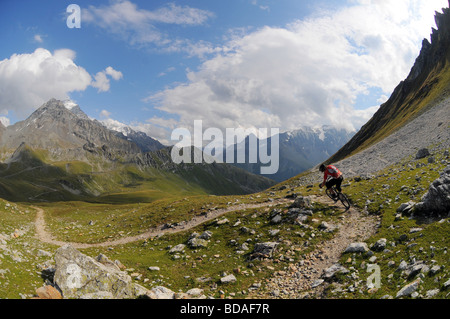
column 336, row 178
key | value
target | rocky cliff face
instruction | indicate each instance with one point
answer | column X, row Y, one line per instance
column 427, row 82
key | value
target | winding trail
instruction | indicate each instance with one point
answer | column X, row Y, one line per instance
column 46, row 237
column 302, row 276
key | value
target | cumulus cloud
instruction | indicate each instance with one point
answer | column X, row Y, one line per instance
column 310, row 72
column 29, row 80
column 141, row 27
column 102, row 82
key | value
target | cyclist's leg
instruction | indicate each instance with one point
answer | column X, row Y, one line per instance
column 339, row 183
column 330, row 185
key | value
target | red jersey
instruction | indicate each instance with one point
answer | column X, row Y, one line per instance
column 331, row 171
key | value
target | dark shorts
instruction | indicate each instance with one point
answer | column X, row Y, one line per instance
column 335, row 182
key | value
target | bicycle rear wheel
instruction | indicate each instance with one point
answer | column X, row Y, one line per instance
column 344, row 200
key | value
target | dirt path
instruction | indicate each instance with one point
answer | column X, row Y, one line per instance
column 300, row 277
column 355, row 226
column 46, row 237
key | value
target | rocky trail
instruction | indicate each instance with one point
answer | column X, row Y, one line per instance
column 46, row 237
column 302, row 276
column 355, row 226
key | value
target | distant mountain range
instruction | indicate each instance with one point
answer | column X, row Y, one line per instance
column 299, row 150
column 59, row 153
column 141, row 139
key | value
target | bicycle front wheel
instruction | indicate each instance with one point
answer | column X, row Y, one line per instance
column 329, row 194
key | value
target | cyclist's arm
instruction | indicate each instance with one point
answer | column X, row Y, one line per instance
column 325, row 177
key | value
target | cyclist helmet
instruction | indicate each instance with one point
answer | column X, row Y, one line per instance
column 322, row 168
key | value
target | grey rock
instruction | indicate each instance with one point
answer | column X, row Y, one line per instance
column 330, row 272
column 446, row 285
column 380, row 245
column 228, row 279
column 244, row 247
column 276, row 219
column 98, row 295
column 43, row 253
column 324, row 225
column 79, row 275
column 206, row 235
column 273, row 232
column 266, row 249
column 301, row 202
column 317, row 283
column 432, row 293
column 405, row 208
column 408, row 289
column 434, row 270
column 357, row 248
column 301, row 219
column 222, row 221
column 422, row 153
column 414, row 270
column 160, row 292
column 197, row 243
column 194, row 292
column 177, row 249
column 437, row 199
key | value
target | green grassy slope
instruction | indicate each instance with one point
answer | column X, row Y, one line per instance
column 32, row 177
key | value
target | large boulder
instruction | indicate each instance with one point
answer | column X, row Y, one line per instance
column 80, row 276
column 437, row 199
column 422, row 153
column 356, row 248
column 265, row 250
column 301, row 202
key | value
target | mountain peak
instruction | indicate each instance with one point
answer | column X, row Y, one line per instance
column 58, row 108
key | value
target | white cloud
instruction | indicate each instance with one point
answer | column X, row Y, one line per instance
column 310, row 72
column 262, row 7
column 29, row 80
column 116, row 75
column 38, row 38
column 101, row 81
column 105, row 114
column 141, row 27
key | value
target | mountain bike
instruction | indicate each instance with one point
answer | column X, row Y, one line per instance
column 340, row 197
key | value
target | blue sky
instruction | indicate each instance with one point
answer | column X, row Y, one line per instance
column 159, row 65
